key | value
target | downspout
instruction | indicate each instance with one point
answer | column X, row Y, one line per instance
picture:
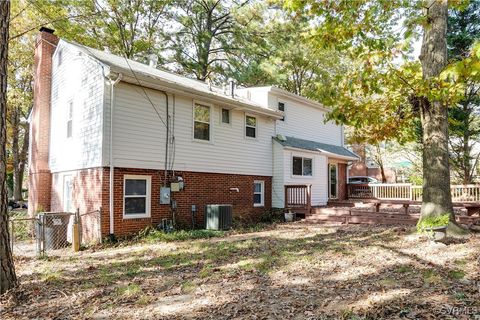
column 112, row 84
column 167, row 137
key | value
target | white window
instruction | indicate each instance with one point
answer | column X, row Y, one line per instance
column 281, row 107
column 70, row 120
column 250, row 126
column 136, row 196
column 201, row 122
column 225, row 116
column 258, row 193
column 302, row 166
column 333, row 180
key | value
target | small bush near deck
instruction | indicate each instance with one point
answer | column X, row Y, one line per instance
column 272, row 216
column 432, row 222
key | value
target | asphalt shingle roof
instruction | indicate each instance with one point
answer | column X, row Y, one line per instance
column 315, row 146
column 131, row 67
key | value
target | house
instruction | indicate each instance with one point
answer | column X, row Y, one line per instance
column 141, row 143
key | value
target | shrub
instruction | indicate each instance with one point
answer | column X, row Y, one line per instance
column 272, row 216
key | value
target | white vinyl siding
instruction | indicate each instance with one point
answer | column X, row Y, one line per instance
column 283, row 159
column 307, row 122
column 139, row 136
column 76, row 111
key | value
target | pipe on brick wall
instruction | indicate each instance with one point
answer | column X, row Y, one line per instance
column 111, row 82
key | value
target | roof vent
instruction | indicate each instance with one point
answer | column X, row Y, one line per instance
column 281, row 137
column 152, row 60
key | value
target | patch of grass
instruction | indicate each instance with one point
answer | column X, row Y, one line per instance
column 388, row 282
column 431, row 277
column 460, row 262
column 51, row 276
column 267, row 263
column 404, row 269
column 181, row 235
column 106, row 276
column 188, row 286
column 205, row 272
column 460, row 296
column 456, row 274
column 426, row 223
column 129, row 291
column 171, row 261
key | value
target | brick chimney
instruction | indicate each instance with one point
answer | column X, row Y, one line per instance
column 359, row 168
column 40, row 178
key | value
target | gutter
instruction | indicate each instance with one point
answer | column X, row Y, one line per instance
column 328, row 154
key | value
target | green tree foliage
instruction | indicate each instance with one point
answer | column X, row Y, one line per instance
column 204, row 34
column 386, row 90
column 464, row 118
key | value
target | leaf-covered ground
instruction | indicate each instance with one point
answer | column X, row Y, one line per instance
column 294, row 271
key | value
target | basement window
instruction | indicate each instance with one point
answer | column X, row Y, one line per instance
column 136, row 196
column 258, row 193
column 302, row 166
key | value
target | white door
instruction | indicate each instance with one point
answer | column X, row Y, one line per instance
column 67, row 193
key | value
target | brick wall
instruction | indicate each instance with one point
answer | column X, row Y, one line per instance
column 91, row 191
column 200, row 189
column 87, row 196
column 39, row 173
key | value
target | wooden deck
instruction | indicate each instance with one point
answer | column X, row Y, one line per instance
column 357, row 216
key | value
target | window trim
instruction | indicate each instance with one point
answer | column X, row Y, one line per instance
column 210, row 133
column 302, row 175
column 262, row 193
column 148, row 196
column 245, row 126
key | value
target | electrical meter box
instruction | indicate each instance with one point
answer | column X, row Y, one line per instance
column 164, row 195
column 175, row 186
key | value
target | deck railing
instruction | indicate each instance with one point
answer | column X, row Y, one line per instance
column 298, row 197
column 407, row 191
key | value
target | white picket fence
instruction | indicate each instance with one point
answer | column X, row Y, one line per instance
column 407, row 191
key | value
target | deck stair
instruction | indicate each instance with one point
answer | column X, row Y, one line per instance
column 345, row 215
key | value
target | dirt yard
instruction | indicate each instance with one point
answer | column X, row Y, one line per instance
column 294, row 271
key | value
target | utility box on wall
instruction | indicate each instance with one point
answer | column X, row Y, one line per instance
column 164, row 195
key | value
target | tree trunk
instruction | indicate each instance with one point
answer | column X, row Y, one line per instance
column 436, row 172
column 19, row 160
column 8, row 278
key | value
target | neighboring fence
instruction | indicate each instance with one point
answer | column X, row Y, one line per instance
column 407, row 191
column 52, row 232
